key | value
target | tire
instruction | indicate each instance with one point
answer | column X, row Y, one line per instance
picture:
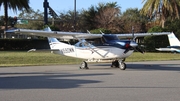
column 122, row 66
column 84, row 65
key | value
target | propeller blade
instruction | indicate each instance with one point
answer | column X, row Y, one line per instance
column 140, row 50
column 126, row 50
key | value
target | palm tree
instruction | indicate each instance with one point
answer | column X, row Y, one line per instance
column 161, row 9
column 14, row 5
column 106, row 15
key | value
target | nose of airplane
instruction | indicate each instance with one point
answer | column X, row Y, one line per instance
column 133, row 44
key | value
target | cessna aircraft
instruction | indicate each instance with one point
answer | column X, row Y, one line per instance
column 103, row 46
column 174, row 44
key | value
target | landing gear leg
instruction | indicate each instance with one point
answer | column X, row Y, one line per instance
column 115, row 64
column 84, row 65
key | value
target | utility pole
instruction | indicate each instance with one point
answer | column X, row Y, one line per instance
column 74, row 26
column 46, row 5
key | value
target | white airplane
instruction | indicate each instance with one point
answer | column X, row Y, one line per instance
column 103, row 46
column 174, row 44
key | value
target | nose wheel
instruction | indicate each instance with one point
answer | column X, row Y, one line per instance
column 122, row 65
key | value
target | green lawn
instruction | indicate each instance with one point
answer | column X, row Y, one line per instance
column 9, row 58
column 153, row 56
column 34, row 58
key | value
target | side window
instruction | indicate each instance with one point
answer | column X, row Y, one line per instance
column 83, row 44
column 80, row 44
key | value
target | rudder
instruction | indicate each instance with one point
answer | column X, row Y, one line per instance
column 173, row 40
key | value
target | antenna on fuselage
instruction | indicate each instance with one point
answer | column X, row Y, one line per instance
column 133, row 37
column 101, row 32
column 89, row 32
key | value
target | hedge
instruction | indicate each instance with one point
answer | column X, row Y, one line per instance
column 23, row 44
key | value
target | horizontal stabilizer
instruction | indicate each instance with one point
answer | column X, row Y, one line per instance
column 33, row 50
column 168, row 49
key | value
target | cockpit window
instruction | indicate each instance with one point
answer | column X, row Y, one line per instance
column 83, row 44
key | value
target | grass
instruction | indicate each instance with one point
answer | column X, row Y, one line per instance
column 11, row 58
column 153, row 57
column 34, row 58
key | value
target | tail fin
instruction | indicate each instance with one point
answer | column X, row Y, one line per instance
column 173, row 40
column 47, row 29
column 51, row 40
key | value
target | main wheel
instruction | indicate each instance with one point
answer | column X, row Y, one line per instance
column 84, row 65
column 122, row 66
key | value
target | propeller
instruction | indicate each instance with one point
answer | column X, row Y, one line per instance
column 132, row 44
column 139, row 50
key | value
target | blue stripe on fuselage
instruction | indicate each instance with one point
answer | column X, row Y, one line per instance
column 113, row 40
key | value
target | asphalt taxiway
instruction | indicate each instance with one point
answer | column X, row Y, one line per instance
column 141, row 81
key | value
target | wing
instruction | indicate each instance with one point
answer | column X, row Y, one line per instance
column 75, row 35
column 141, row 34
column 58, row 34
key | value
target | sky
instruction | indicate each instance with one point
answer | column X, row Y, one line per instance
column 65, row 5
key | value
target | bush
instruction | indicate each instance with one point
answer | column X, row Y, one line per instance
column 23, row 44
column 152, row 42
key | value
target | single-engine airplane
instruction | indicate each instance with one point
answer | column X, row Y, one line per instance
column 103, row 46
column 174, row 44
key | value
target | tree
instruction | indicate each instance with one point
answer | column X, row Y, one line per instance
column 107, row 14
column 152, row 42
column 88, row 17
column 11, row 22
column 161, row 9
column 133, row 18
column 14, row 5
column 34, row 18
column 67, row 21
column 173, row 26
column 1, row 20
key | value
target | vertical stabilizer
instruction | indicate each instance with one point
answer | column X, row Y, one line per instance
column 55, row 43
column 50, row 40
column 173, row 40
column 47, row 29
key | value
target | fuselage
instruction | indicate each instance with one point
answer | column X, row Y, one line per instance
column 111, row 48
column 100, row 52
